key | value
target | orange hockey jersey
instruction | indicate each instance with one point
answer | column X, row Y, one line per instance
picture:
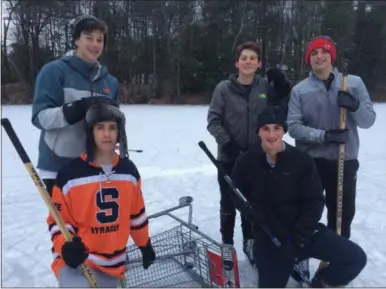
column 103, row 209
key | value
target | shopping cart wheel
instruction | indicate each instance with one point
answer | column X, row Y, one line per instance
column 185, row 200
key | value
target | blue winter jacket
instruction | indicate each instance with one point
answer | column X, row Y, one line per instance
column 61, row 81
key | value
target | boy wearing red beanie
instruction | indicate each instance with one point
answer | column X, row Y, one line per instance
column 313, row 121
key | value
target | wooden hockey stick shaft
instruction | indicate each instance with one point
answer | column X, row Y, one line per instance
column 43, row 192
column 341, row 150
column 342, row 125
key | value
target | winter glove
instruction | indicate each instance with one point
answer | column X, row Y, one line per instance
column 74, row 252
column 348, row 101
column 336, row 136
column 75, row 111
column 148, row 255
column 276, row 75
column 281, row 85
column 232, row 149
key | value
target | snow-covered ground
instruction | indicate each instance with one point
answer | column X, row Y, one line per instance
column 172, row 165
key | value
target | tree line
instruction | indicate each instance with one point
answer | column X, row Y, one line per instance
column 177, row 51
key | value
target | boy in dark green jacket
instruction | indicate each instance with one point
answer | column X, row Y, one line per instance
column 232, row 120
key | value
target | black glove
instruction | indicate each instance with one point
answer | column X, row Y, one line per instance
column 289, row 252
column 75, row 111
column 148, row 255
column 232, row 149
column 74, row 252
column 336, row 136
column 276, row 75
column 280, row 83
column 348, row 101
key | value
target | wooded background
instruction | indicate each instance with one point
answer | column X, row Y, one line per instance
column 177, row 51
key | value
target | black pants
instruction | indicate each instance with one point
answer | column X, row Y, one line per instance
column 49, row 183
column 328, row 172
column 346, row 259
column 228, row 210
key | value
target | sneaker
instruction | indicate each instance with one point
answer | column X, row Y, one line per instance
column 227, row 256
column 248, row 250
column 304, row 267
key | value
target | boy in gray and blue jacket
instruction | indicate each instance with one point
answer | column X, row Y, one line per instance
column 65, row 88
column 313, row 121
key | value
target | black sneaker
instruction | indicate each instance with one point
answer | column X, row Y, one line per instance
column 304, row 267
column 227, row 256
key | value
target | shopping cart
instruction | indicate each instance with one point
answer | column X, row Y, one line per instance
column 186, row 257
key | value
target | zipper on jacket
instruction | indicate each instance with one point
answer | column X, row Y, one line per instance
column 246, row 147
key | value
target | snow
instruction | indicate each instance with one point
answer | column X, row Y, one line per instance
column 172, row 165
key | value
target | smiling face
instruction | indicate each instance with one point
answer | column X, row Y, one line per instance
column 105, row 136
column 271, row 138
column 320, row 60
column 90, row 45
column 248, row 62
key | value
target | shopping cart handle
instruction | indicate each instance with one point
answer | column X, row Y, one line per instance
column 185, row 200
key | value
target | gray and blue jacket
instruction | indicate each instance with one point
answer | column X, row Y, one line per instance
column 61, row 81
column 312, row 110
column 233, row 113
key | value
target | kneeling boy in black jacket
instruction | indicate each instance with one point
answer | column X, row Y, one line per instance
column 282, row 185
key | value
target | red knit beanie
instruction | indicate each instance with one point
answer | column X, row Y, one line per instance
column 324, row 42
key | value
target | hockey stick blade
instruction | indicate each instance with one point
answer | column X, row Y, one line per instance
column 6, row 124
column 245, row 206
column 135, row 151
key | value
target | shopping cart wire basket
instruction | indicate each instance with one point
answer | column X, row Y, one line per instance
column 185, row 257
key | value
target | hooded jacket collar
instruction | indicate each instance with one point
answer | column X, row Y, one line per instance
column 89, row 71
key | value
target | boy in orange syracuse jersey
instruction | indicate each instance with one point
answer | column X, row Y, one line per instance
column 99, row 198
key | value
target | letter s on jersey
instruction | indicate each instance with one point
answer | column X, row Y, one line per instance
column 103, row 216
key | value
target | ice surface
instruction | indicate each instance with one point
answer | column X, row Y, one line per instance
column 172, row 165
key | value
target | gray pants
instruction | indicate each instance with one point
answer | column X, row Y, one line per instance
column 74, row 278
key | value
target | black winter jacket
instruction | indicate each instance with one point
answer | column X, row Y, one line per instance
column 289, row 195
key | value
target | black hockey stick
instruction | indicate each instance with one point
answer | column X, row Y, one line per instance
column 43, row 192
column 245, row 207
column 135, row 151
column 130, row 150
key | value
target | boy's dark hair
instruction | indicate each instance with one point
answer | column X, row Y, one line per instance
column 250, row 45
column 88, row 23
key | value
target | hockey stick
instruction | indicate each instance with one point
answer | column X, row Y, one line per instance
column 135, row 151
column 342, row 125
column 130, row 150
column 43, row 192
column 245, row 206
